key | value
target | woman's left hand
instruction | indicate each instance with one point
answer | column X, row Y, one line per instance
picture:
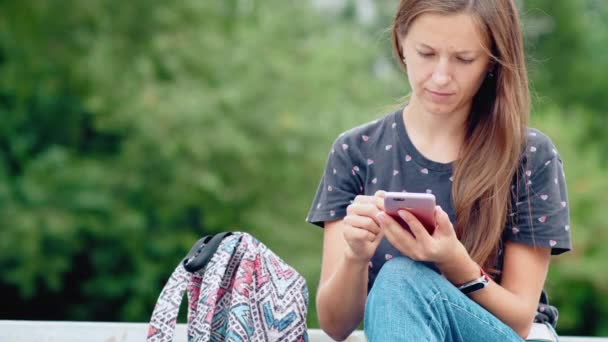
column 441, row 247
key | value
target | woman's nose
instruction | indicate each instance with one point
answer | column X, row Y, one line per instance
column 441, row 73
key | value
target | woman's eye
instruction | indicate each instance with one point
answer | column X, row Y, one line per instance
column 465, row 61
column 425, row 54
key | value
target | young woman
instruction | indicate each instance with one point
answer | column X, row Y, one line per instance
column 500, row 187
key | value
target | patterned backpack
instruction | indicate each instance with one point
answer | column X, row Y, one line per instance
column 238, row 290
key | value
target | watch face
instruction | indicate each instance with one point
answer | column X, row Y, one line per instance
column 474, row 287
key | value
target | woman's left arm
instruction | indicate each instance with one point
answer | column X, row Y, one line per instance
column 515, row 300
column 538, row 230
column 523, row 274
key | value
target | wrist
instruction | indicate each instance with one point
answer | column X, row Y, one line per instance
column 352, row 259
column 476, row 284
column 459, row 268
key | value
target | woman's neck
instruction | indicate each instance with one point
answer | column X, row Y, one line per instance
column 437, row 136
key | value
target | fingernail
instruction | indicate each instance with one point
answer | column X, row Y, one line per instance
column 380, row 217
column 403, row 214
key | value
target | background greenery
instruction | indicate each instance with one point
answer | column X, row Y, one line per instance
column 130, row 129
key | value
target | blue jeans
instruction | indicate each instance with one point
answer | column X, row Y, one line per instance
column 411, row 301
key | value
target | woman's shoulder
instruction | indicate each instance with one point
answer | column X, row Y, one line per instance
column 539, row 149
column 539, row 142
column 373, row 130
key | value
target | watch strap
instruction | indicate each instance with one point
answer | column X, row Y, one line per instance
column 475, row 284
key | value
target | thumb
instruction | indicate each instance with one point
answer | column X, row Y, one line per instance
column 442, row 220
column 378, row 239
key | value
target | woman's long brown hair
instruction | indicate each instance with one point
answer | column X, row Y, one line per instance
column 496, row 128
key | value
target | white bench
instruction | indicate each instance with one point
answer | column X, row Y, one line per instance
column 66, row 331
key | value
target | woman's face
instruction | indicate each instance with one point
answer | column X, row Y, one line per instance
column 445, row 60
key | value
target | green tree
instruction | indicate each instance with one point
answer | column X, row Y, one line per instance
column 567, row 42
column 131, row 129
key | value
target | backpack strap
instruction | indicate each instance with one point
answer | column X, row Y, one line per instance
column 184, row 278
column 164, row 316
column 212, row 294
column 546, row 313
column 202, row 251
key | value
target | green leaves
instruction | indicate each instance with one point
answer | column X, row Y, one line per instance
column 130, row 130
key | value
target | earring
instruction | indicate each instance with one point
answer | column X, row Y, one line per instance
column 491, row 70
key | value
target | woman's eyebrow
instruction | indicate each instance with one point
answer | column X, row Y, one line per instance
column 461, row 52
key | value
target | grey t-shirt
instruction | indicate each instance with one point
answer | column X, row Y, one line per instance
column 380, row 156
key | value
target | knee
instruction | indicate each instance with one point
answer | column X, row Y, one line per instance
column 402, row 271
column 400, row 263
column 405, row 267
column 404, row 287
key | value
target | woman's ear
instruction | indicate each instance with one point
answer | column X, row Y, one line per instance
column 402, row 53
column 402, row 47
column 491, row 66
column 491, row 69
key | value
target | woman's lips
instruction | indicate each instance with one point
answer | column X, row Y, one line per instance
column 438, row 93
column 439, row 96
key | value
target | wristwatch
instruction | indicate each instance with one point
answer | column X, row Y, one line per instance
column 475, row 284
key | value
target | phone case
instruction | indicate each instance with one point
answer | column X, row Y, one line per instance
column 422, row 205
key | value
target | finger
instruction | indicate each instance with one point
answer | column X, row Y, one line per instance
column 388, row 222
column 380, row 193
column 419, row 231
column 354, row 233
column 379, row 199
column 364, row 209
column 364, row 199
column 443, row 220
column 362, row 222
column 395, row 233
column 379, row 238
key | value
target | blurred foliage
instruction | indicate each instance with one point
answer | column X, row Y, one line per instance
column 130, row 129
column 567, row 45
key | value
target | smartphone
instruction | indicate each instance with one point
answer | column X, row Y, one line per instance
column 421, row 205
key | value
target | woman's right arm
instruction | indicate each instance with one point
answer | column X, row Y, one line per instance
column 348, row 245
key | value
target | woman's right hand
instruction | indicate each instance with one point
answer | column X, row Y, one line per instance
column 362, row 231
